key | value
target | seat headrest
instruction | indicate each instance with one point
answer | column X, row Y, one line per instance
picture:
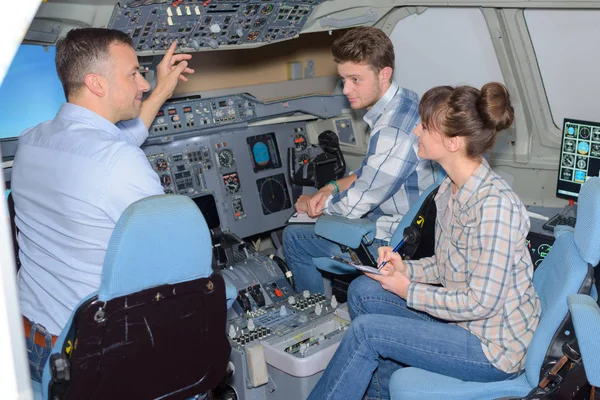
column 587, row 227
column 158, row 240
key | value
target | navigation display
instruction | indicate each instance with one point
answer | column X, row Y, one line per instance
column 579, row 156
column 264, row 152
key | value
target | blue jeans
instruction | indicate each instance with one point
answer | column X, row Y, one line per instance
column 386, row 335
column 37, row 354
column 301, row 245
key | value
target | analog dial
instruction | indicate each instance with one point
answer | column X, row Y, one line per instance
column 300, row 142
column 161, row 164
column 568, row 160
column 226, row 158
column 232, row 183
column 273, row 194
column 165, row 180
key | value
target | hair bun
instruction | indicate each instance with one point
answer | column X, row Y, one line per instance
column 494, row 106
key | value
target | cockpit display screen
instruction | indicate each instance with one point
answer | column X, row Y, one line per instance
column 264, row 152
column 579, row 156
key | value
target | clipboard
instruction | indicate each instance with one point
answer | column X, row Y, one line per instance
column 363, row 268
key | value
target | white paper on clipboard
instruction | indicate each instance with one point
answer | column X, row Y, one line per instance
column 301, row 218
column 363, row 268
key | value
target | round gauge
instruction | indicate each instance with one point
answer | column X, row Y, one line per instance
column 570, row 146
column 583, row 148
column 581, row 164
column 304, row 159
column 543, row 250
column 267, row 9
column 161, row 164
column 226, row 158
column 252, row 36
column 538, row 262
column 232, row 183
column 584, row 132
column 272, row 195
column 568, row 160
column 165, row 180
column 300, row 142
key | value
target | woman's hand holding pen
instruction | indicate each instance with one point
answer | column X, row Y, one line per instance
column 394, row 277
column 389, row 256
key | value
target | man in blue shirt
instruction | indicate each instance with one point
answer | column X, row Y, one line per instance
column 391, row 176
column 74, row 176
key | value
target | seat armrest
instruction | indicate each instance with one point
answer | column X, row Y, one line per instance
column 345, row 231
column 586, row 321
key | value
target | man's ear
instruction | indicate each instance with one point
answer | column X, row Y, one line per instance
column 386, row 74
column 96, row 84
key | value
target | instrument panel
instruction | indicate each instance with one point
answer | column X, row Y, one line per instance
column 236, row 173
column 194, row 116
column 209, row 24
column 248, row 200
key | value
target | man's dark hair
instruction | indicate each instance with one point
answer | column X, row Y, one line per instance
column 365, row 45
column 80, row 53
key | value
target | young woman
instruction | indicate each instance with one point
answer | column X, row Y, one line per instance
column 470, row 310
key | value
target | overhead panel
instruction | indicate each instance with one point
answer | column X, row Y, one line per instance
column 206, row 25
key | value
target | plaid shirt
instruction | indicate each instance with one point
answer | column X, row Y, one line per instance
column 485, row 269
column 391, row 177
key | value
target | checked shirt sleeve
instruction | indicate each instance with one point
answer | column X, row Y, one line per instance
column 389, row 163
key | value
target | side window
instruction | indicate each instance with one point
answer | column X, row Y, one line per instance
column 31, row 91
column 444, row 46
column 566, row 44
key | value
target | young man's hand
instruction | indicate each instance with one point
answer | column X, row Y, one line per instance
column 317, row 201
column 302, row 203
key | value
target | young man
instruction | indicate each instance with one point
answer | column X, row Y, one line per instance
column 391, row 176
column 74, row 176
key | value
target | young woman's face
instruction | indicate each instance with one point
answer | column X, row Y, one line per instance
column 431, row 142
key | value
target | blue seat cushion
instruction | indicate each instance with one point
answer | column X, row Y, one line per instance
column 409, row 384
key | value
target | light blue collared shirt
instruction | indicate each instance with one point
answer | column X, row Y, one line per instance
column 72, row 179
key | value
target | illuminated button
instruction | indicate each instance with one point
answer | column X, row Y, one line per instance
column 278, row 292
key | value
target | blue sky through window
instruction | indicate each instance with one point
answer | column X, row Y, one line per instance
column 31, row 91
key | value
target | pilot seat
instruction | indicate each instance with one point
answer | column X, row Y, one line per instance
column 566, row 270
column 156, row 326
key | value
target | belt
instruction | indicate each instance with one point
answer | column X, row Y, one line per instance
column 38, row 338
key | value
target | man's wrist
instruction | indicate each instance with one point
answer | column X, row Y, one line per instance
column 334, row 185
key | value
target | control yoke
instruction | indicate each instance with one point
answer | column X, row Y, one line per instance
column 327, row 166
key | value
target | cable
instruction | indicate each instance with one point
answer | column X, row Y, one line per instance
column 285, row 269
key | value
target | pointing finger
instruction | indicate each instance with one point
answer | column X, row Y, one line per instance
column 180, row 57
column 169, row 54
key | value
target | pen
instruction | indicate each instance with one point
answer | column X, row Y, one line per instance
column 396, row 249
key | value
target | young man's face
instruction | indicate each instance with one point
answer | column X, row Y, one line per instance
column 126, row 84
column 362, row 86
